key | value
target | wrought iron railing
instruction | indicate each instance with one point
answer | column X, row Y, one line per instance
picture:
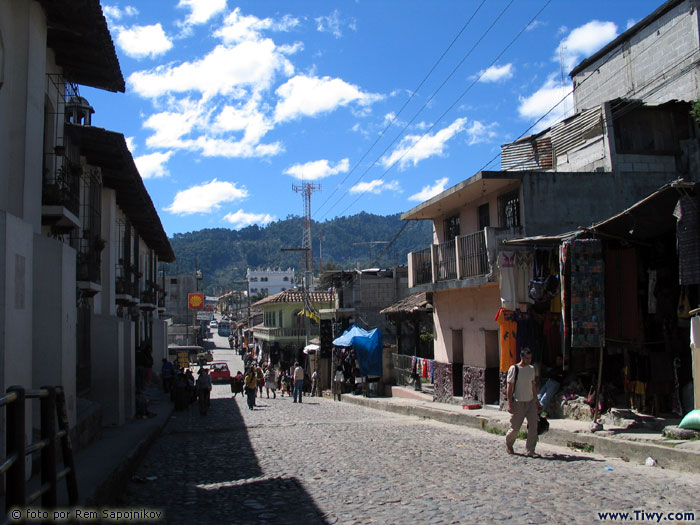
column 62, row 187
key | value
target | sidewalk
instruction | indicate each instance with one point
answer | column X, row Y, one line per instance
column 104, row 467
column 634, row 445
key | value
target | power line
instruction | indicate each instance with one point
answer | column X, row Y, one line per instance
column 508, row 46
column 413, row 94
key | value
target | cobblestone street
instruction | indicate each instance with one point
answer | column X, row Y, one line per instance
column 329, row 462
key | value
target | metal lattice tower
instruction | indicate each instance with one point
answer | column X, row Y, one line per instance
column 306, row 189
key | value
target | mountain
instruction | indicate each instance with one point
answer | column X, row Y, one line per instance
column 223, row 255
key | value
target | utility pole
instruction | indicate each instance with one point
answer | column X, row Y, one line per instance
column 306, row 189
column 371, row 245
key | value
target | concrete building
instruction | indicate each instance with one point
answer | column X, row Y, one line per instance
column 655, row 60
column 65, row 189
column 593, row 165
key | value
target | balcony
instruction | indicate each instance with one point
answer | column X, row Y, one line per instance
column 60, row 198
column 270, row 333
column 463, row 261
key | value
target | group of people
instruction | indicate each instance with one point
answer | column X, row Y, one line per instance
column 184, row 389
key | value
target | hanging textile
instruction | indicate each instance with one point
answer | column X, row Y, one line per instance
column 688, row 236
column 424, row 370
column 506, row 264
column 509, row 329
column 524, row 262
column 565, row 289
column 587, row 294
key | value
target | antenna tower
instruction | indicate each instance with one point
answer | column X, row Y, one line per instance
column 306, row 189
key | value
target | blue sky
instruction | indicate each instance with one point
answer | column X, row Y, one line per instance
column 382, row 104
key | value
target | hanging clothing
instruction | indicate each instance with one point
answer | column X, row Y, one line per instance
column 651, row 303
column 688, row 237
column 515, row 274
column 508, row 338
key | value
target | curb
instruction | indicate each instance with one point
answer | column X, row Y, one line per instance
column 667, row 457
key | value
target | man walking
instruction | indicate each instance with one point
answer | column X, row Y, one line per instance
column 203, row 390
column 521, row 394
column 298, row 382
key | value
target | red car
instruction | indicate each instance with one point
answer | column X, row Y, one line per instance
column 219, row 372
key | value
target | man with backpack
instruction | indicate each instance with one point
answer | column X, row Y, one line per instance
column 521, row 395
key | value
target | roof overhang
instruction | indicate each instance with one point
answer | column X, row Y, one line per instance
column 77, row 33
column 454, row 198
column 108, row 150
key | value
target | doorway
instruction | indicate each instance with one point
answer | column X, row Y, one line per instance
column 457, row 364
column 493, row 358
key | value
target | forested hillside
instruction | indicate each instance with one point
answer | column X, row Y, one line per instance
column 223, row 255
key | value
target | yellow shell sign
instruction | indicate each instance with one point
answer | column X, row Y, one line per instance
column 195, row 300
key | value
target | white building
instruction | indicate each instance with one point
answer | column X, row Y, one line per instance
column 269, row 282
column 77, row 228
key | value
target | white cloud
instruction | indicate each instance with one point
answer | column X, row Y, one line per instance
column 143, row 41
column 130, row 143
column 330, row 24
column 414, row 148
column 630, row 23
column 114, row 13
column 241, row 219
column 240, row 28
column 428, row 192
column 224, row 71
column 309, row 96
column 479, row 132
column 152, row 165
column 542, row 100
column 534, row 25
column 206, row 198
column 201, row 10
column 317, row 169
column 376, row 186
column 583, row 41
column 496, row 73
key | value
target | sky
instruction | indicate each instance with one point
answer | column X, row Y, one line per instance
column 233, row 108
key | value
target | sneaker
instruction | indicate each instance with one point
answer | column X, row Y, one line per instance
column 509, row 449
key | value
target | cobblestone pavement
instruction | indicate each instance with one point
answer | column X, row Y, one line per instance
column 328, row 462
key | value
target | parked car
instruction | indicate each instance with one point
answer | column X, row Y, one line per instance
column 213, row 324
column 219, row 372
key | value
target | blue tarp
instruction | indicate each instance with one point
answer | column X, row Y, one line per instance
column 368, row 348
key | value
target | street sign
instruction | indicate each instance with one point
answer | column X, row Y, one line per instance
column 195, row 300
column 205, row 316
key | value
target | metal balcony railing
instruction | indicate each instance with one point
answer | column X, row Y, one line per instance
column 422, row 267
column 53, row 408
column 446, row 261
column 62, row 187
column 474, row 259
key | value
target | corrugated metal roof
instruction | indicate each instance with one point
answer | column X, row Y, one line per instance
column 574, row 131
column 527, row 154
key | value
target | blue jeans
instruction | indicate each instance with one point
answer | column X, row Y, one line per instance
column 298, row 385
column 547, row 392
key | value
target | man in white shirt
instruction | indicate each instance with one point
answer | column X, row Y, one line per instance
column 521, row 394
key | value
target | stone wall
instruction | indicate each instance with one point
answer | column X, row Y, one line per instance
column 442, row 382
column 474, row 381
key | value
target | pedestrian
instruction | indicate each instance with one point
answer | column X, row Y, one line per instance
column 180, row 391
column 338, row 381
column 167, row 374
column 250, row 384
column 314, row 384
column 191, row 389
column 282, row 381
column 555, row 378
column 298, row 382
column 237, row 384
column 270, row 382
column 261, row 379
column 203, row 390
column 521, row 394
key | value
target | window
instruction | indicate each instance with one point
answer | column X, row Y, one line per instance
column 280, row 318
column 173, row 281
column 263, row 279
column 509, row 210
column 285, row 279
column 253, row 280
column 483, row 214
column 451, row 227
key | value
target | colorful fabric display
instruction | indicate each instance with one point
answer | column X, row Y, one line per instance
column 587, row 294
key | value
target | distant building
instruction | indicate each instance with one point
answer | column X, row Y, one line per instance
column 270, row 282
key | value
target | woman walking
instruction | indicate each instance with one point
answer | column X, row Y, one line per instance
column 270, row 383
column 250, row 383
